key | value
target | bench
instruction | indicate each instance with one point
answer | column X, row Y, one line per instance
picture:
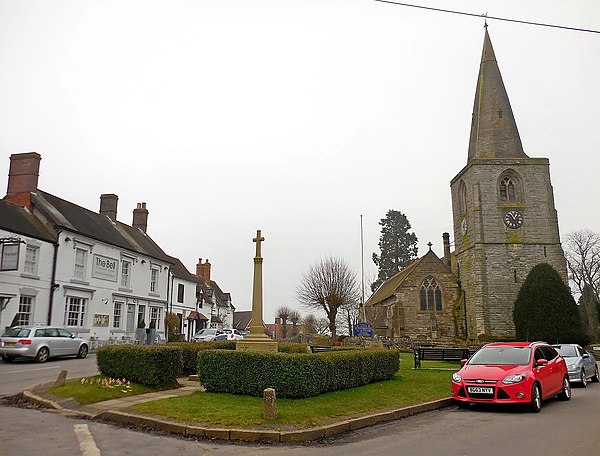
column 439, row 354
column 319, row 349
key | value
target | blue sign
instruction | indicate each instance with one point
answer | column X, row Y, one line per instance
column 363, row 329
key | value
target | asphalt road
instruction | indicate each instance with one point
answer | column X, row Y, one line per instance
column 561, row 428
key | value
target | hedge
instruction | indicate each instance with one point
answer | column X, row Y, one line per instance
column 293, row 375
column 153, row 365
column 189, row 352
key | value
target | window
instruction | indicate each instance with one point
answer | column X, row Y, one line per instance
column 510, row 187
column 80, row 263
column 507, row 190
column 75, row 311
column 117, row 314
column 462, row 198
column 141, row 314
column 31, row 260
column 10, row 257
column 153, row 280
column 155, row 316
column 431, row 295
column 25, row 306
column 180, row 291
column 125, row 272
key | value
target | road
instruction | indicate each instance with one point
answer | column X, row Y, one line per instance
column 561, row 428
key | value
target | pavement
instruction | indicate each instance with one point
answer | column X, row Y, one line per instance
column 116, row 411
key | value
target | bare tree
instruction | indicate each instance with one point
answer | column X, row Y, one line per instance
column 294, row 318
column 328, row 285
column 583, row 262
column 283, row 312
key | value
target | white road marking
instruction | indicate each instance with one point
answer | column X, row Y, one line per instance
column 32, row 370
column 86, row 441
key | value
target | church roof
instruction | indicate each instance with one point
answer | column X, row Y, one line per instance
column 494, row 132
column 388, row 288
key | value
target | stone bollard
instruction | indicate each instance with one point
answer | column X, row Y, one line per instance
column 269, row 404
column 62, row 377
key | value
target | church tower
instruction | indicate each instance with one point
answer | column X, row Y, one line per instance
column 503, row 210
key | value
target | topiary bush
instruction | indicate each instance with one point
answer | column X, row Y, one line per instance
column 152, row 365
column 294, row 375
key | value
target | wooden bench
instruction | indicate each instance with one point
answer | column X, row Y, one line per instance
column 319, row 349
column 439, row 354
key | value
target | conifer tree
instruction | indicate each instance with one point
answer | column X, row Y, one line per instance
column 397, row 245
column 545, row 309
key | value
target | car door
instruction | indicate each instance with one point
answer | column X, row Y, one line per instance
column 554, row 362
column 543, row 373
column 69, row 344
column 588, row 364
column 50, row 338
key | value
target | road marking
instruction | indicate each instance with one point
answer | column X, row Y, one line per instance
column 32, row 370
column 86, row 441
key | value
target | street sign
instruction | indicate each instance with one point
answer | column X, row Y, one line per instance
column 363, row 329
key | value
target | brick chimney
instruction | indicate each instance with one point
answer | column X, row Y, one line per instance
column 108, row 206
column 203, row 270
column 23, row 178
column 446, row 238
column 140, row 217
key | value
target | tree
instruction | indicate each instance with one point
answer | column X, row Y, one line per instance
column 283, row 312
column 545, row 309
column 397, row 245
column 295, row 318
column 328, row 285
column 583, row 263
column 589, row 305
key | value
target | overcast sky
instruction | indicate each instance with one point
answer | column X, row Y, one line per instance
column 293, row 117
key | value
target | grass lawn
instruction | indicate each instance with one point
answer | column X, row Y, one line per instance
column 408, row 387
column 90, row 390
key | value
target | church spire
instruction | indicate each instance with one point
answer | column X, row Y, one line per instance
column 494, row 132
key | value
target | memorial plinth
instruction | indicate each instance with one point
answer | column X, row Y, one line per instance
column 257, row 340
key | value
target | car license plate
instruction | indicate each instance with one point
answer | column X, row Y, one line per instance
column 480, row 390
column 10, row 344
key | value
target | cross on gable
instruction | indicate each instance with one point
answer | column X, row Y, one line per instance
column 429, row 244
column 258, row 239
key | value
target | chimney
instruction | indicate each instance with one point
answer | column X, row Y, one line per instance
column 203, row 270
column 23, row 178
column 140, row 217
column 446, row 238
column 108, row 206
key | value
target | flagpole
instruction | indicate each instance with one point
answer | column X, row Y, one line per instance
column 362, row 272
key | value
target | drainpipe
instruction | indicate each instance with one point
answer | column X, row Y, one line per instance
column 53, row 285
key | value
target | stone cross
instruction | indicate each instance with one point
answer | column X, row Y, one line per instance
column 258, row 239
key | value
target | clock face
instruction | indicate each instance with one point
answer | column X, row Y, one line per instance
column 513, row 219
column 464, row 227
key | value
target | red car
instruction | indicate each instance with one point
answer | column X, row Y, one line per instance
column 512, row 373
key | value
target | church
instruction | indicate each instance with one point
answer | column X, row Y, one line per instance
column 504, row 223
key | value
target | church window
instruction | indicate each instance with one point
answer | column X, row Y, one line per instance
column 507, row 190
column 500, row 113
column 431, row 295
column 462, row 198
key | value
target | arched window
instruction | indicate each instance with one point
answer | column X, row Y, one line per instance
column 431, row 295
column 462, row 197
column 510, row 187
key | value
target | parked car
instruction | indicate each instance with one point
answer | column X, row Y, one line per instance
column 40, row 343
column 206, row 335
column 581, row 364
column 220, row 337
column 512, row 373
column 233, row 334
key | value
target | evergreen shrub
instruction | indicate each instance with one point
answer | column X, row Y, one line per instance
column 189, row 352
column 294, row 375
column 152, row 365
column 290, row 347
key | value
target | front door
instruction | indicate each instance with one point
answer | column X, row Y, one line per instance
column 130, row 318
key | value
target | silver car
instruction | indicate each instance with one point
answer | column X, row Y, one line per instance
column 580, row 363
column 206, row 335
column 40, row 343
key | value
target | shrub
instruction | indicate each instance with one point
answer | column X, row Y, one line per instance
column 289, row 347
column 154, row 365
column 294, row 375
column 545, row 309
column 189, row 352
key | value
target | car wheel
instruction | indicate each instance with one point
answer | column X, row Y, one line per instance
column 8, row 359
column 596, row 377
column 583, row 379
column 536, row 399
column 83, row 351
column 565, row 394
column 42, row 355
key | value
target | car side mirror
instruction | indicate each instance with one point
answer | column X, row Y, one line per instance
column 586, row 355
column 541, row 362
column 463, row 362
column 72, row 336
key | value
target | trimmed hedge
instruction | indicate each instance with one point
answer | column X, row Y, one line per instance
column 293, row 375
column 292, row 347
column 153, row 365
column 189, row 352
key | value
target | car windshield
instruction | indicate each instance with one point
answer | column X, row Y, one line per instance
column 567, row 351
column 16, row 332
column 206, row 332
column 502, row 356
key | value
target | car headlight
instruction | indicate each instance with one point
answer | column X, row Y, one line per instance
column 508, row 380
column 456, row 377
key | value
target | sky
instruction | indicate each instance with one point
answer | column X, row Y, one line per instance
column 295, row 117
